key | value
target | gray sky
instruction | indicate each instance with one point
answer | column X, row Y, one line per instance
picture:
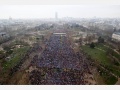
column 48, row 11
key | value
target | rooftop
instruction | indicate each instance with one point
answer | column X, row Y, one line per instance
column 1, row 33
column 60, row 33
column 118, row 33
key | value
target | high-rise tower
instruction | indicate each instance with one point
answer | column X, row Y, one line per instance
column 56, row 15
column 10, row 18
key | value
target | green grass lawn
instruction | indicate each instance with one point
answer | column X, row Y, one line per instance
column 96, row 54
column 101, row 57
column 17, row 55
column 101, row 46
column 110, row 80
column 114, row 69
column 116, row 55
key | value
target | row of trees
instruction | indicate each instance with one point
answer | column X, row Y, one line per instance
column 6, row 39
column 92, row 44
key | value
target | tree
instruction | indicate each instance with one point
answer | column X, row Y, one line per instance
column 109, row 51
column 90, row 39
column 118, row 46
column 42, row 38
column 7, row 47
column 9, row 52
column 92, row 45
column 114, row 29
column 80, row 41
column 100, row 40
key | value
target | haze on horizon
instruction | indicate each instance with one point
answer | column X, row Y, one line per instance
column 48, row 11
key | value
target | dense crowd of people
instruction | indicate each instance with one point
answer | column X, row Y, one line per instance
column 63, row 65
column 56, row 76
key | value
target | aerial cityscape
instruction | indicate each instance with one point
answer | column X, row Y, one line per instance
column 59, row 45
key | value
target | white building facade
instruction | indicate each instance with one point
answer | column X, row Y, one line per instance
column 116, row 36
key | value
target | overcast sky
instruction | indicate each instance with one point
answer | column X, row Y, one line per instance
column 48, row 11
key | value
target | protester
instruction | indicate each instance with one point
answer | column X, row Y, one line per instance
column 60, row 64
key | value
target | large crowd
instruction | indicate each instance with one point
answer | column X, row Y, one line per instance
column 56, row 76
column 63, row 65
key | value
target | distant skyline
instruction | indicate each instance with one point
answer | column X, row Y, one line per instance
column 48, row 11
